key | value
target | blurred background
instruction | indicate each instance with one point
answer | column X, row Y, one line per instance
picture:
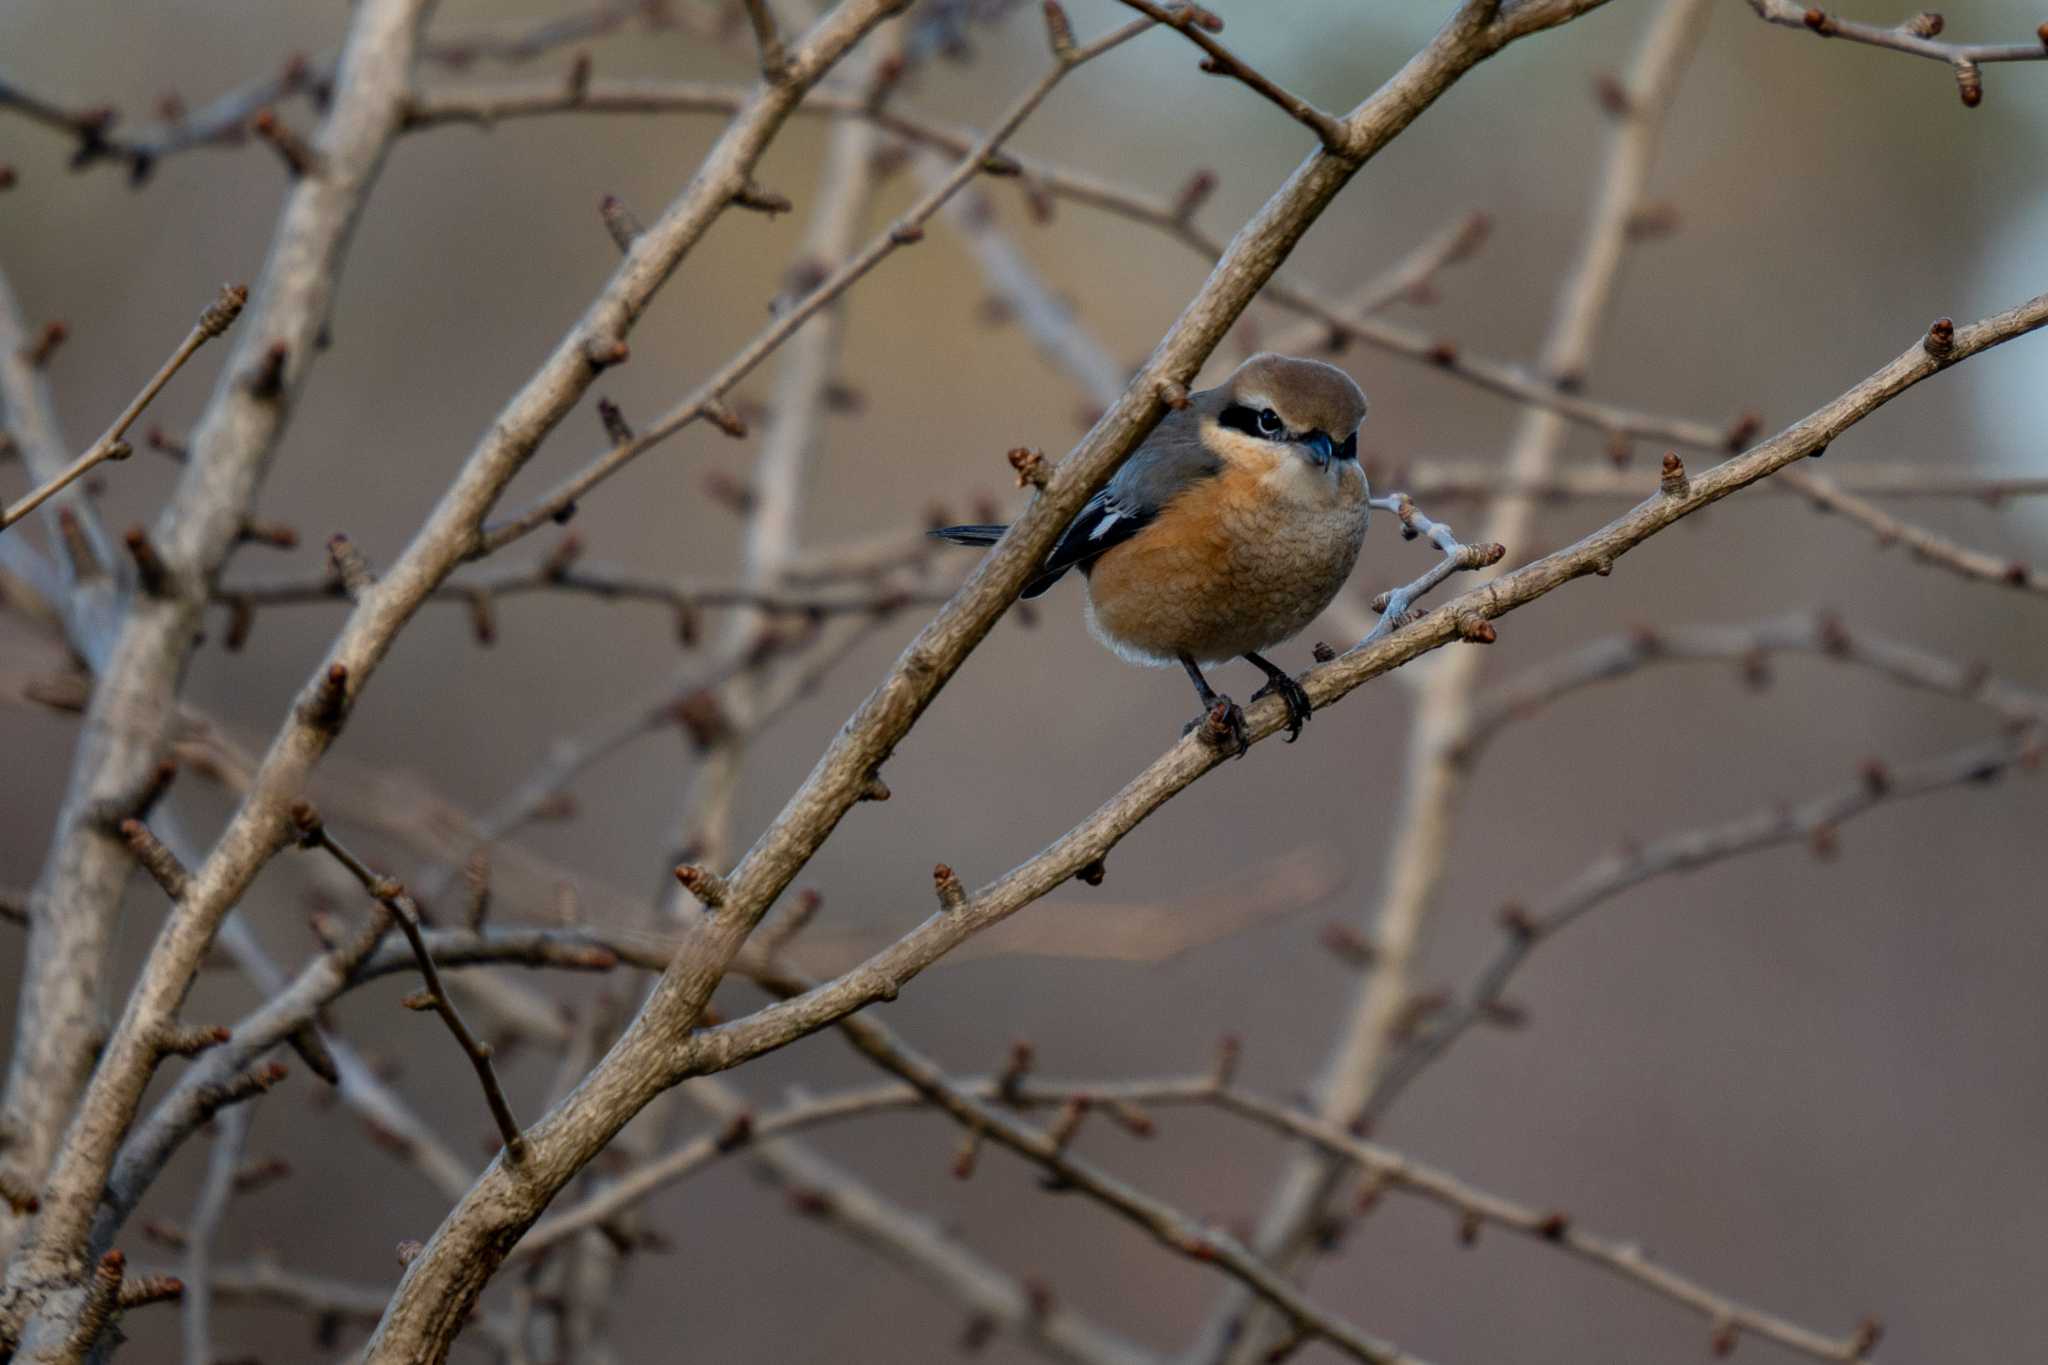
column 1814, row 1085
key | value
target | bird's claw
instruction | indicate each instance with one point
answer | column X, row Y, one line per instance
column 1222, row 725
column 1295, row 696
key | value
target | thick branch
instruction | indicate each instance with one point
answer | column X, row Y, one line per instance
column 263, row 825
column 140, row 662
column 653, row 1054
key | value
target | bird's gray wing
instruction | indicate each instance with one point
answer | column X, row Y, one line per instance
column 1172, row 459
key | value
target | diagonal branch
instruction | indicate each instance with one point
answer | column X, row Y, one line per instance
column 820, row 1190
column 658, row 1048
column 262, row 826
column 1197, row 24
column 1169, row 1226
column 905, row 231
column 1813, row 822
column 1925, row 545
column 1618, row 656
column 140, row 657
column 406, row 914
column 884, row 974
column 217, row 318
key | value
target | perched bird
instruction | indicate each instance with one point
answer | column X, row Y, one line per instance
column 1226, row 533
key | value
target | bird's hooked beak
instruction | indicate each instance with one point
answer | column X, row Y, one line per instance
column 1317, row 443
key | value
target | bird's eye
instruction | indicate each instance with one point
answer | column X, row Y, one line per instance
column 1270, row 423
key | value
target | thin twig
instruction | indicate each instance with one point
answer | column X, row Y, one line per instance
column 610, row 582
column 907, row 229
column 1165, row 1224
column 820, row 1190
column 768, row 40
column 1915, row 37
column 1394, row 605
column 217, row 318
column 208, row 1211
column 1196, row 24
column 1823, row 634
column 1925, row 545
column 314, row 834
column 1436, row 481
column 1813, row 822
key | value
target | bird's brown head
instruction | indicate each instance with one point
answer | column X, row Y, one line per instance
column 1284, row 398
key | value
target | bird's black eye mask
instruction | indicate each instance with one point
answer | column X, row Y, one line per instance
column 1264, row 424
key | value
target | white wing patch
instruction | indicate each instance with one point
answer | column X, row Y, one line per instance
column 1102, row 527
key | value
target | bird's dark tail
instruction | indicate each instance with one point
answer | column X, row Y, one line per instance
column 989, row 535
column 969, row 535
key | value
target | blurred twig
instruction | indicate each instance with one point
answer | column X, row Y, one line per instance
column 207, row 1213
column 1813, row 822
column 1618, row 656
column 1925, row 545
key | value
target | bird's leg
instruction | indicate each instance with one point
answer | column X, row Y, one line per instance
column 1280, row 681
column 1222, row 720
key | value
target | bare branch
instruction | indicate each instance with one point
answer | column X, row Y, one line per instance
column 905, row 231
column 1925, row 545
column 263, row 825
column 1813, row 822
column 140, row 655
column 388, row 893
column 996, row 1300
column 604, row 581
column 1394, row 606
column 1477, row 1207
column 1440, row 481
column 1196, row 24
column 1166, row 1225
column 1915, row 37
column 657, row 1048
column 207, row 1212
column 774, row 61
column 218, row 316
column 1618, row 656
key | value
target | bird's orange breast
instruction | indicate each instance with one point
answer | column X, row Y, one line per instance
column 1236, row 563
